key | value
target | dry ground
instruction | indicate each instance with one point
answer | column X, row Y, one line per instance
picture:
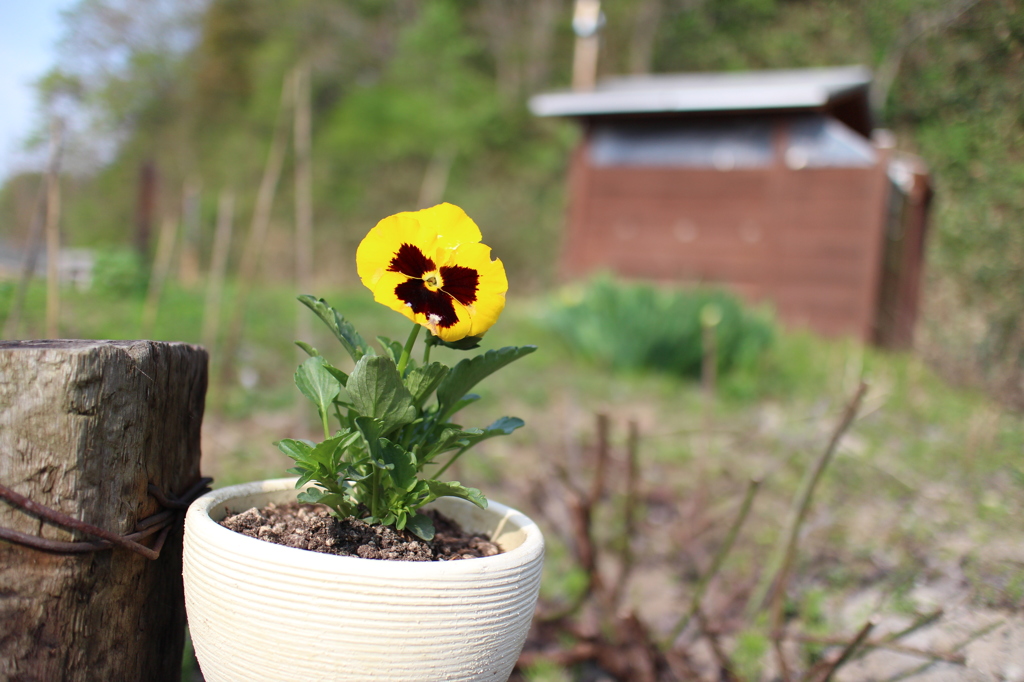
column 919, row 510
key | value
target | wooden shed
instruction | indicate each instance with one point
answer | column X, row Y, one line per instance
column 771, row 183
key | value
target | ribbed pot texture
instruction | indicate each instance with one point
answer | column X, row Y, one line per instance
column 260, row 611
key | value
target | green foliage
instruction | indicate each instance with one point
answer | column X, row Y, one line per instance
column 119, row 272
column 750, row 653
column 546, row 671
column 432, row 95
column 195, row 87
column 967, row 114
column 631, row 326
column 373, row 464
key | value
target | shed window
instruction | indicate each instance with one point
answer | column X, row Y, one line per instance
column 723, row 144
column 822, row 142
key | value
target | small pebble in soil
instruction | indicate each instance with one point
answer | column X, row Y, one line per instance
column 309, row 526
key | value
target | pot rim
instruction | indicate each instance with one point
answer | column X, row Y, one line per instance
column 198, row 518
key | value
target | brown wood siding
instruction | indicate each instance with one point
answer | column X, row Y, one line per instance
column 808, row 240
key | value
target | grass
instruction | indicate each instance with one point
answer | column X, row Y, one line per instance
column 926, row 483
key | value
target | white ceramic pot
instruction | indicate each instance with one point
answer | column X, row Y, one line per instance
column 260, row 611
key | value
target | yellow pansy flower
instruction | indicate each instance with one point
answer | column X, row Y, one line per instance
column 430, row 266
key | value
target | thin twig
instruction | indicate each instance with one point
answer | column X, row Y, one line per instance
column 601, row 465
column 716, row 564
column 780, row 656
column 628, row 518
column 721, row 658
column 582, row 542
column 980, row 632
column 824, row 674
column 681, row 666
column 945, row 656
column 782, row 562
column 923, row 620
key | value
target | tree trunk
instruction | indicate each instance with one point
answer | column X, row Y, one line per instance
column 85, row 427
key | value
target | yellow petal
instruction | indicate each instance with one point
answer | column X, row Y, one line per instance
column 384, row 293
column 446, row 236
column 450, row 223
column 492, row 285
column 379, row 246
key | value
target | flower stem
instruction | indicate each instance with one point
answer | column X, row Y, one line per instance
column 327, row 428
column 458, row 454
column 426, row 352
column 375, row 484
column 407, row 351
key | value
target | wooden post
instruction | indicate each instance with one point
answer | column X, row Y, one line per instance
column 258, row 228
column 587, row 20
column 435, row 180
column 85, row 428
column 145, row 207
column 53, row 238
column 40, row 219
column 304, row 242
column 188, row 263
column 218, row 270
column 159, row 272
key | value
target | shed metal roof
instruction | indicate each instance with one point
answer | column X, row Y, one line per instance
column 696, row 92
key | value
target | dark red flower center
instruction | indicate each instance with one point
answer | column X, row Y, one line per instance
column 457, row 282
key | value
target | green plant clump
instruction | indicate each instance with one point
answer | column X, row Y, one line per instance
column 632, row 326
column 373, row 465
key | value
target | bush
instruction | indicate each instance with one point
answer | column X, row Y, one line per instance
column 120, row 272
column 630, row 326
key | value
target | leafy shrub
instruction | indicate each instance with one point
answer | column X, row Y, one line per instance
column 120, row 272
column 628, row 326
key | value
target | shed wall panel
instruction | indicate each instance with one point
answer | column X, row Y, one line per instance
column 809, row 240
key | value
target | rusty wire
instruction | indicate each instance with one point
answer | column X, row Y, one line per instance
column 160, row 522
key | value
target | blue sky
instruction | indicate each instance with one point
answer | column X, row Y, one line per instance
column 29, row 31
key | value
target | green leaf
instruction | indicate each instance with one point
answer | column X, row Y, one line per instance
column 449, row 439
column 336, row 501
column 305, row 475
column 393, row 349
column 310, row 495
column 328, row 453
column 317, row 384
column 336, row 322
column 467, row 399
column 421, row 526
column 465, row 343
column 296, row 449
column 501, row 427
column 312, row 352
column 471, row 371
column 376, row 446
column 422, row 381
column 371, row 429
column 377, row 391
column 336, row 373
column 401, row 464
column 455, row 489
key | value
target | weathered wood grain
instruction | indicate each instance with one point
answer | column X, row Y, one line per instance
column 85, row 427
